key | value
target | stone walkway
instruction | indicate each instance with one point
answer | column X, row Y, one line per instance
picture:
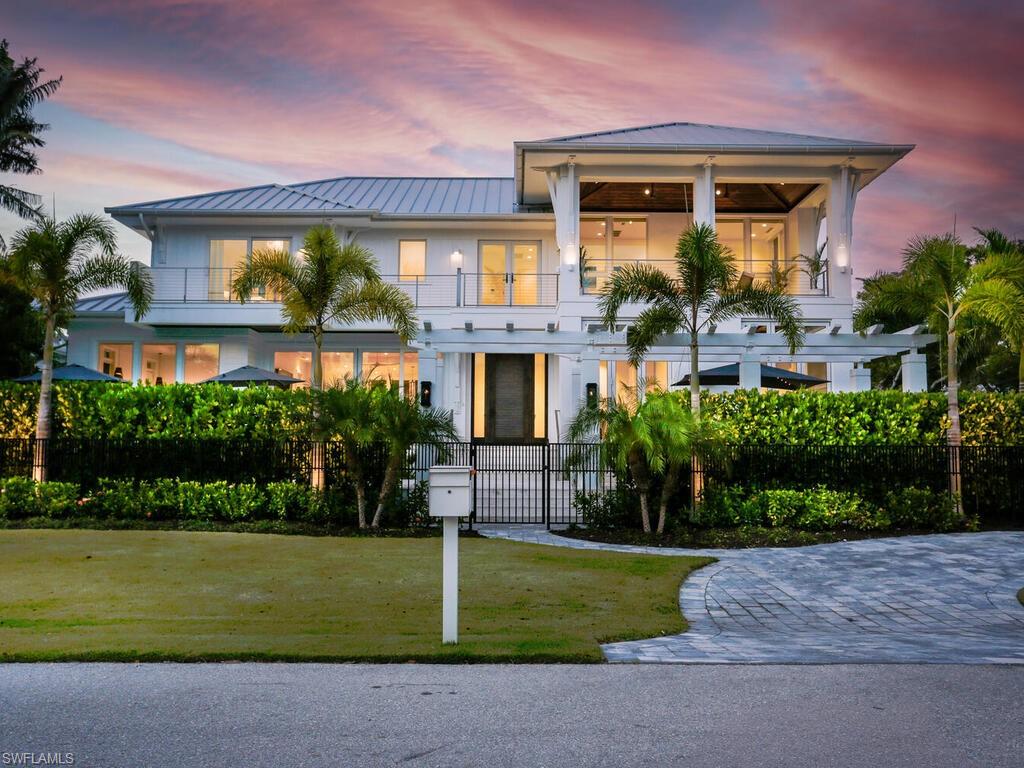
column 942, row 599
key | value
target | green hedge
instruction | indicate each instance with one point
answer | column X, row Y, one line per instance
column 85, row 409
column 169, row 499
column 865, row 418
column 825, row 509
column 798, row 418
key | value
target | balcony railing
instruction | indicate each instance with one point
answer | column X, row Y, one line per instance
column 188, row 285
column 795, row 278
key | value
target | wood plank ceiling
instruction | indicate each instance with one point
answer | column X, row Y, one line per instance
column 616, row 197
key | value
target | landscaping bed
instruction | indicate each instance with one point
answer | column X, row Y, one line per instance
column 743, row 537
column 164, row 595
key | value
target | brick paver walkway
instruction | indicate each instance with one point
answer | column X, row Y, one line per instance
column 947, row 598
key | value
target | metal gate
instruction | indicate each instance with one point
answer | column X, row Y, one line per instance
column 530, row 483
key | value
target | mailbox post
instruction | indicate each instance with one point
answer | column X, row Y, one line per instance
column 450, row 498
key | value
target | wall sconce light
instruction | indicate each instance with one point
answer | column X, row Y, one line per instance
column 457, row 258
column 570, row 254
column 592, row 395
column 425, row 387
column 842, row 254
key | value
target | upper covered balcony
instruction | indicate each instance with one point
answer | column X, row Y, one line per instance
column 775, row 232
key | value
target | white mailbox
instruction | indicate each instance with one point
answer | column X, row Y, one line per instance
column 451, row 491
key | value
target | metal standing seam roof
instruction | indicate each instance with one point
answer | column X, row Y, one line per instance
column 703, row 135
column 111, row 303
column 393, row 196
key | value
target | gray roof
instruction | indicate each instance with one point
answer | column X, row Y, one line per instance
column 108, row 304
column 387, row 195
column 700, row 135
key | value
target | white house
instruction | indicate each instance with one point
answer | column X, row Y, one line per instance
column 510, row 335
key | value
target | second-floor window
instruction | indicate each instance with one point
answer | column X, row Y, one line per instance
column 227, row 257
column 412, row 260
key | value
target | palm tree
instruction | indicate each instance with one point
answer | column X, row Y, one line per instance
column 707, row 292
column 651, row 440
column 364, row 417
column 21, row 88
column 56, row 263
column 329, row 283
column 401, row 423
column 996, row 294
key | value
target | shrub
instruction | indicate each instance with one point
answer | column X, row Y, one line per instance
column 615, row 509
column 289, row 501
column 922, row 508
column 21, row 497
column 809, row 509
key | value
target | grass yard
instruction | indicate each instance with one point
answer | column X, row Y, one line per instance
column 166, row 595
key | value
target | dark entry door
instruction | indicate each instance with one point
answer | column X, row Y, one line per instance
column 508, row 398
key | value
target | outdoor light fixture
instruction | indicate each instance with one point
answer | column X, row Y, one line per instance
column 718, row 192
column 457, row 258
column 592, row 395
column 842, row 254
column 551, row 327
column 425, row 387
column 647, row 191
column 427, row 326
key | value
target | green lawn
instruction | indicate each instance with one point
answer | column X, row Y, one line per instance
column 126, row 595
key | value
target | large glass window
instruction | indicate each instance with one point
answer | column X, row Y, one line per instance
column 384, row 366
column 226, row 257
column 611, row 243
column 412, row 260
column 159, row 362
column 656, row 375
column 201, row 362
column 759, row 249
column 116, row 360
column 273, row 246
column 338, row 366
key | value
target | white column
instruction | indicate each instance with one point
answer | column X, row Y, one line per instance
column 704, row 195
column 450, row 581
column 839, row 213
column 750, row 372
column 860, row 378
column 840, row 377
column 564, row 188
column 914, row 372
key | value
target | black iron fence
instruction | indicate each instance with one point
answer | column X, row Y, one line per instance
column 541, row 483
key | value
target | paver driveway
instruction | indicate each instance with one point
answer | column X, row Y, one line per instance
column 946, row 599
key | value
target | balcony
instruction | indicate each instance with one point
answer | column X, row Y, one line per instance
column 795, row 279
column 202, row 285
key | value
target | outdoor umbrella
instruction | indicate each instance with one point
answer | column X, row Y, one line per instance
column 72, row 373
column 771, row 377
column 250, row 374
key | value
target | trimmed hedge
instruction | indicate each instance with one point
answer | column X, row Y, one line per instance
column 98, row 410
column 168, row 499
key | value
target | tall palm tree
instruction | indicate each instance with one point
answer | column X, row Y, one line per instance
column 58, row 262
column 329, row 283
column 652, row 440
column 934, row 284
column 707, row 292
column 21, row 88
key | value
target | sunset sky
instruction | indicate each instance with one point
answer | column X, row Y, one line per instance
column 169, row 97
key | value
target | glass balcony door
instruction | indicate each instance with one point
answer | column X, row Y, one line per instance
column 509, row 273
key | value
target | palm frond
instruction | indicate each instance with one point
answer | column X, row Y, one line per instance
column 115, row 271
column 650, row 324
column 762, row 301
column 635, row 283
column 376, row 301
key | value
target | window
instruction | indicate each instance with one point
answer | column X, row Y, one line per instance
column 159, row 362
column 116, row 360
column 412, row 260
column 540, row 395
column 625, row 382
column 338, row 366
column 384, row 366
column 656, row 375
column 226, row 257
column 201, row 362
column 759, row 248
column 510, row 273
column 611, row 243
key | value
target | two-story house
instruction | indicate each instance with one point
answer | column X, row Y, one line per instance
column 505, row 272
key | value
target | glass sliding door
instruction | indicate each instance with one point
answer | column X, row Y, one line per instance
column 493, row 274
column 524, row 272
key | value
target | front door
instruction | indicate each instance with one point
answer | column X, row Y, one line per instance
column 508, row 398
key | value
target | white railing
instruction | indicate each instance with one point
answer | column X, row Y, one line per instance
column 187, row 285
column 795, row 278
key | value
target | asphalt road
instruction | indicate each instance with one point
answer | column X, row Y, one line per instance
column 417, row 715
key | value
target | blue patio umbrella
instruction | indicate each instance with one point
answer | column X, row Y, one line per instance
column 73, row 372
column 250, row 374
column 771, row 377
